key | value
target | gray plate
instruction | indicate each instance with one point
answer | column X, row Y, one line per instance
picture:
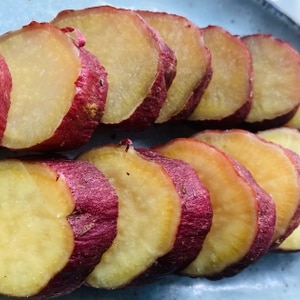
column 275, row 276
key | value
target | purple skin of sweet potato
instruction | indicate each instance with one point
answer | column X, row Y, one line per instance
column 196, row 217
column 147, row 112
column 94, row 222
column 87, row 108
column 295, row 221
column 266, row 220
column 5, row 89
column 195, row 97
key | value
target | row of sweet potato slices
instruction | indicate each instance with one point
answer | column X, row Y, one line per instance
column 135, row 69
column 117, row 216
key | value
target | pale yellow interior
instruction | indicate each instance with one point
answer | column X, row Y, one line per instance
column 36, row 240
column 284, row 136
column 270, row 166
column 149, row 214
column 289, row 138
column 230, row 86
column 128, row 52
column 276, row 78
column 186, row 41
column 292, row 242
column 232, row 199
column 44, row 65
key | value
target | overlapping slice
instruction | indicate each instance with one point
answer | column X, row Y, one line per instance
column 58, row 89
column 57, row 217
column 275, row 169
column 193, row 71
column 153, row 223
column 139, row 64
column 196, row 214
column 243, row 214
column 276, row 77
column 227, row 100
column 289, row 138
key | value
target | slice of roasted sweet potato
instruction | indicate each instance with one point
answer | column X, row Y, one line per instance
column 58, row 89
column 5, row 89
column 290, row 139
column 140, row 65
column 276, row 77
column 243, row 214
column 150, row 216
column 195, row 220
column 57, row 218
column 227, row 100
column 193, row 71
column 276, row 170
column 144, row 233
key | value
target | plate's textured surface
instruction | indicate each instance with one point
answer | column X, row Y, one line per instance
column 275, row 276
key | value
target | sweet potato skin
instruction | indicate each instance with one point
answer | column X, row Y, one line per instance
column 263, row 208
column 269, row 123
column 195, row 97
column 196, row 217
column 286, row 219
column 145, row 114
column 170, row 63
column 295, row 221
column 229, row 122
column 232, row 118
column 5, row 89
column 87, row 107
column 278, row 118
column 94, row 222
column 266, row 219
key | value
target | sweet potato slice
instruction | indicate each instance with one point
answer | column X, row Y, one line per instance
column 195, row 220
column 294, row 122
column 275, row 169
column 5, row 89
column 243, row 214
column 58, row 89
column 149, row 216
column 227, row 100
column 57, row 218
column 193, row 71
column 138, row 62
column 276, row 77
column 290, row 139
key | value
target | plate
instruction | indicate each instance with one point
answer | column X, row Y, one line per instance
column 289, row 8
column 276, row 275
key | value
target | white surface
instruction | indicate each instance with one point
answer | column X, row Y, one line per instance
column 290, row 7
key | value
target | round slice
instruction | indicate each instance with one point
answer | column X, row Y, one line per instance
column 276, row 77
column 243, row 214
column 58, row 89
column 149, row 215
column 195, row 220
column 193, row 71
column 138, row 62
column 57, row 218
column 290, row 139
column 275, row 169
column 227, row 100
